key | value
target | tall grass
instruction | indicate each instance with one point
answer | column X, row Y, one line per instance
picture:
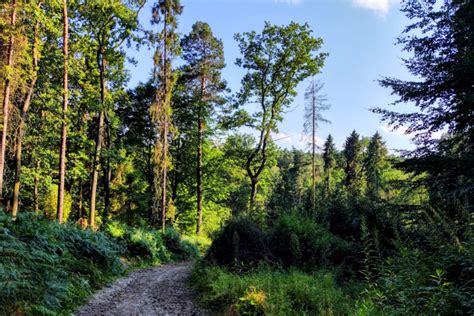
column 270, row 292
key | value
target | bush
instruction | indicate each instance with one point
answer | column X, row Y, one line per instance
column 300, row 242
column 181, row 249
column 151, row 244
column 418, row 283
column 240, row 243
column 265, row 292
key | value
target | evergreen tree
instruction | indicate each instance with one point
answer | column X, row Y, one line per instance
column 204, row 56
column 353, row 156
column 166, row 13
column 375, row 164
column 315, row 104
column 441, row 40
column 329, row 158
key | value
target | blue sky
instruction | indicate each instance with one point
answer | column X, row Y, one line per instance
column 359, row 36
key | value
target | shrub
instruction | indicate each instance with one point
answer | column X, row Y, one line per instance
column 300, row 242
column 240, row 243
column 266, row 292
column 180, row 248
column 151, row 244
column 418, row 283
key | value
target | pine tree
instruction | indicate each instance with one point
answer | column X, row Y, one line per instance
column 315, row 104
column 353, row 155
column 165, row 12
column 204, row 55
column 329, row 158
column 375, row 164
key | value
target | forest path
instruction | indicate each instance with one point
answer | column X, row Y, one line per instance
column 153, row 291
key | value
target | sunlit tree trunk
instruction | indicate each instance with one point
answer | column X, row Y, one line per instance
column 62, row 155
column 21, row 127
column 6, row 99
column 100, row 137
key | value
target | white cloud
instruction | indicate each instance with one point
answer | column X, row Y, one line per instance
column 381, row 7
column 292, row 2
column 299, row 140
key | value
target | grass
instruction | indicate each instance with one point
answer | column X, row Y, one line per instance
column 270, row 292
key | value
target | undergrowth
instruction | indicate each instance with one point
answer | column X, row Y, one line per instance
column 49, row 269
column 269, row 292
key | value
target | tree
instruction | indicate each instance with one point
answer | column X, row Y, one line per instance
column 204, row 55
column 315, row 104
column 165, row 11
column 107, row 25
column 276, row 61
column 353, row 155
column 34, row 9
column 7, row 92
column 441, row 40
column 329, row 158
column 62, row 150
column 375, row 164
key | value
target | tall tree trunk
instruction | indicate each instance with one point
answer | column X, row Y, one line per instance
column 199, row 174
column 95, row 171
column 164, row 178
column 107, row 174
column 35, row 189
column 164, row 200
column 100, row 137
column 21, row 127
column 199, row 158
column 6, row 100
column 150, row 183
column 62, row 156
column 313, row 140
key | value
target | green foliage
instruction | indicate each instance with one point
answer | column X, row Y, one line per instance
column 152, row 245
column 51, row 203
column 47, row 268
column 267, row 292
column 299, row 242
column 240, row 244
column 418, row 283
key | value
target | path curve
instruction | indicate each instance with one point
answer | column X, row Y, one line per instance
column 154, row 291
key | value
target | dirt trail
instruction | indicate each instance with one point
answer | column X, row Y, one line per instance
column 155, row 291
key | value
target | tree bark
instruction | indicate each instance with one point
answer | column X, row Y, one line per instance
column 107, row 174
column 199, row 159
column 62, row 156
column 6, row 100
column 100, row 137
column 164, row 178
column 95, row 171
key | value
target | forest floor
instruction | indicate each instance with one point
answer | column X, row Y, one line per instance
column 154, row 291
